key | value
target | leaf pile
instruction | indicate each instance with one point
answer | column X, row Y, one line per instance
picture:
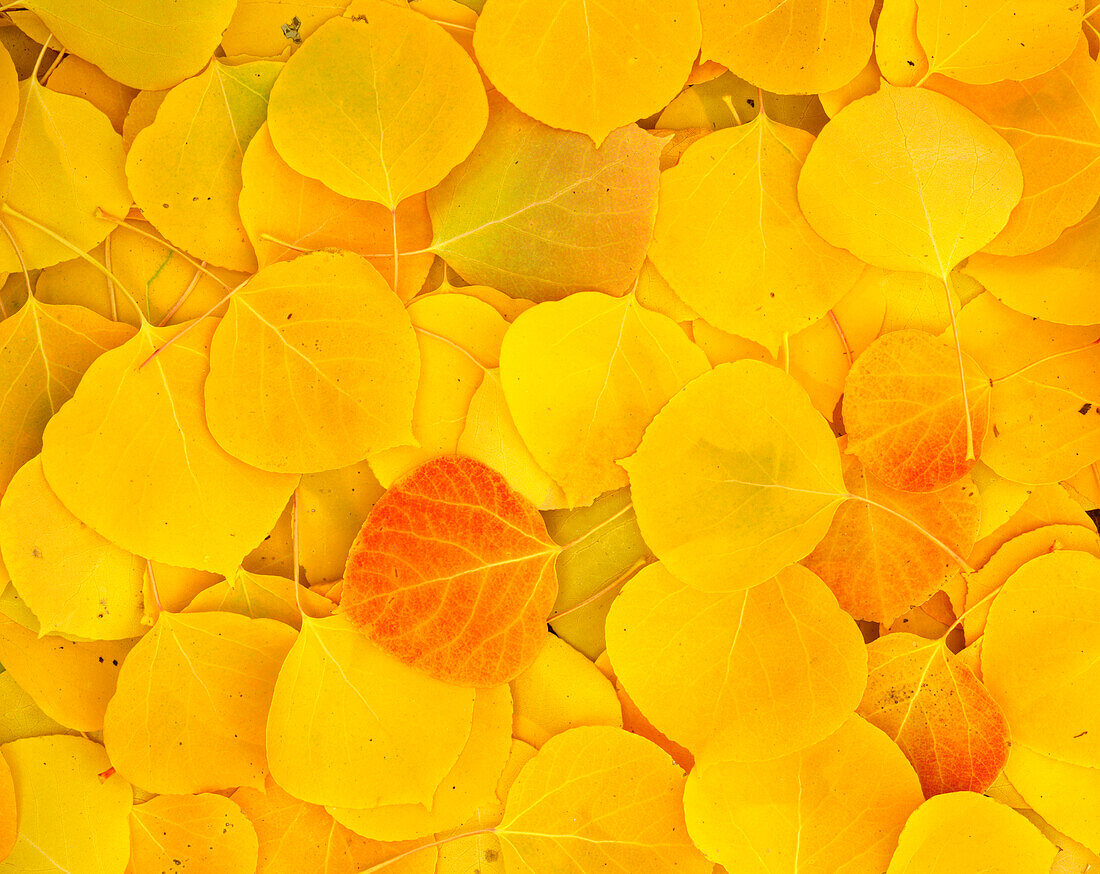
column 549, row 437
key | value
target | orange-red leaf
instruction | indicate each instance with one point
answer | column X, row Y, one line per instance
column 453, row 573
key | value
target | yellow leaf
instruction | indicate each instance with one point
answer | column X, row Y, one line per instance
column 728, row 100
column 21, row 717
column 1067, row 796
column 907, row 179
column 984, row 41
column 76, row 76
column 131, row 456
column 470, row 784
column 262, row 28
column 9, row 822
column 530, row 52
column 459, row 338
column 77, row 583
column 1041, row 505
column 598, row 797
column 796, row 47
column 583, row 378
column 9, row 93
column 184, row 169
column 838, row 805
column 351, row 726
column 1039, row 655
column 71, row 681
column 419, row 105
column 199, row 834
column 963, row 832
column 546, row 231
column 192, row 702
column 1045, row 425
column 142, row 112
column 901, row 58
column 260, row 596
column 140, row 43
column 740, row 252
column 747, row 675
column 62, row 162
column 737, row 477
column 283, row 211
column 44, row 351
column 561, row 690
column 71, row 821
column 1001, row 498
column 302, row 381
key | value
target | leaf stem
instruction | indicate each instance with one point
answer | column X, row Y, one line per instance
column 191, row 325
column 22, row 263
column 848, row 352
column 1052, row 357
column 384, row 864
column 181, row 299
column 970, row 454
column 622, row 579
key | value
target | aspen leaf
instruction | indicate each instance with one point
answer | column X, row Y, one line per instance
column 9, row 93
column 71, row 820
column 351, row 726
column 984, row 41
column 138, row 42
column 598, row 797
column 204, row 834
column 198, row 685
column 797, row 47
column 71, row 681
column 732, row 242
column 301, row 381
column 418, row 106
column 561, row 690
column 61, row 163
column 76, row 76
column 747, row 675
column 1067, row 796
column 1044, row 423
column 1038, row 655
column 44, row 351
column 260, row 596
column 544, row 230
column 937, row 711
column 530, row 52
column 470, row 783
column 184, row 169
column 900, row 57
column 9, row 822
column 21, row 717
column 1041, row 506
column 584, row 377
column 131, row 456
column 906, row 412
column 737, row 477
column 889, row 550
column 282, row 211
column 1001, row 498
column 256, row 28
column 453, row 574
column 140, row 114
column 838, row 805
column 907, row 179
column 1052, row 123
column 964, row 831
column 77, row 583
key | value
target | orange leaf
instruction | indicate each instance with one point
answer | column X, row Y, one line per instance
column 453, row 573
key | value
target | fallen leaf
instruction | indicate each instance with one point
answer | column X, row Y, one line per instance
column 204, row 834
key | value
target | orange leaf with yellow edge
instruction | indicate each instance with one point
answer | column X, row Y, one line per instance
column 583, row 378
column 44, row 351
column 72, row 820
column 131, row 456
column 453, row 573
column 889, row 550
column 964, row 831
column 184, row 169
column 283, row 212
column 937, row 711
column 470, row 784
column 838, row 805
column 419, row 105
column 303, row 381
column 562, row 689
column 736, row 477
column 204, row 834
column 798, row 47
column 529, row 51
column 598, row 797
column 747, row 675
column 351, row 726
column 1038, row 655
column 906, row 411
column 199, row 685
column 907, row 179
column 563, row 216
column 731, row 239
